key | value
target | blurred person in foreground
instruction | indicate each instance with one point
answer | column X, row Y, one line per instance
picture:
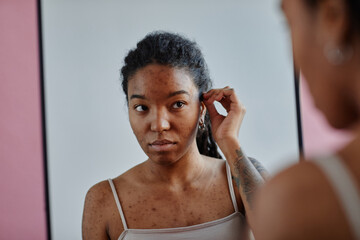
column 319, row 199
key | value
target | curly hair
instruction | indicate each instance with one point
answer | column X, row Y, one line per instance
column 174, row 50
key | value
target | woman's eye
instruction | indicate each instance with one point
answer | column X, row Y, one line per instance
column 178, row 104
column 140, row 108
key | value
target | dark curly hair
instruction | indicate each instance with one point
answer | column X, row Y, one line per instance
column 174, row 50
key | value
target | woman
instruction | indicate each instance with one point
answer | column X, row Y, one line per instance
column 319, row 199
column 183, row 190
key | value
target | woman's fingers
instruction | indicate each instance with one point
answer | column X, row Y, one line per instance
column 224, row 127
column 217, row 94
column 211, row 109
column 226, row 96
column 209, row 98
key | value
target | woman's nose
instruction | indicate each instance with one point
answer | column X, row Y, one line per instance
column 160, row 121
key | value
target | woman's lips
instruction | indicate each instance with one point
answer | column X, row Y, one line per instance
column 162, row 145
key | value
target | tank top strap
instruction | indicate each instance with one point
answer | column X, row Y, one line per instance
column 345, row 187
column 231, row 188
column 118, row 204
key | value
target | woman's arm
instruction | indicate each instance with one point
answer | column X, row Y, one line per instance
column 245, row 172
column 260, row 168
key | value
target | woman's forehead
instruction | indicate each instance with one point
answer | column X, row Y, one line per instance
column 161, row 79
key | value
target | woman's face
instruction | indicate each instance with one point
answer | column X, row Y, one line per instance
column 312, row 29
column 164, row 111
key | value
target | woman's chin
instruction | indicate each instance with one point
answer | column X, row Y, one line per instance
column 162, row 159
column 347, row 123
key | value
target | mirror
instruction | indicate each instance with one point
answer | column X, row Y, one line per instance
column 89, row 139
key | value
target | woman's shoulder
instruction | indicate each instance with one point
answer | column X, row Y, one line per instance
column 298, row 198
column 299, row 181
column 100, row 192
column 215, row 164
column 96, row 210
column 131, row 177
column 98, row 195
column 298, row 174
column 293, row 185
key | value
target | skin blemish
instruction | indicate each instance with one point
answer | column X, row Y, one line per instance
column 153, row 209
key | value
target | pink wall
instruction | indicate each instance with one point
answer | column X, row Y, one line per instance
column 22, row 205
column 318, row 136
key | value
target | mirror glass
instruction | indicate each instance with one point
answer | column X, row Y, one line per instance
column 89, row 139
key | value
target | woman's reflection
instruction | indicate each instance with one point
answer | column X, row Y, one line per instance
column 183, row 190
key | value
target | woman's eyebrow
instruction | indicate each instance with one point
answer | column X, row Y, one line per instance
column 178, row 92
column 137, row 96
column 170, row 95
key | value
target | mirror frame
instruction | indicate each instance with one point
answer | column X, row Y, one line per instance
column 43, row 117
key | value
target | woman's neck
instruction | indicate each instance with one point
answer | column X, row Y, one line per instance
column 185, row 170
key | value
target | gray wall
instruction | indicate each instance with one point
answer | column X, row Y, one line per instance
column 245, row 43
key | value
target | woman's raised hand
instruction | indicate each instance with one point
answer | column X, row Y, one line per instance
column 224, row 127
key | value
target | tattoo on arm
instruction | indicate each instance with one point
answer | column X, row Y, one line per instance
column 237, row 180
column 246, row 176
column 260, row 168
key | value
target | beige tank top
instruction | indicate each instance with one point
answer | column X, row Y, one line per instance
column 345, row 187
column 230, row 228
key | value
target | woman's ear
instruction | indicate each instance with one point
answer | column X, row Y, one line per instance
column 202, row 110
column 333, row 22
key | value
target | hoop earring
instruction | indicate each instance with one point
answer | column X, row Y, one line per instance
column 201, row 125
column 337, row 55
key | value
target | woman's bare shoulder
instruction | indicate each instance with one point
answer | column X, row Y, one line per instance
column 99, row 216
column 98, row 194
column 219, row 168
column 130, row 178
column 217, row 164
column 96, row 211
column 101, row 191
column 298, row 203
column 300, row 175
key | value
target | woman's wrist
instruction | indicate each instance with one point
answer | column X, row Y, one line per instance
column 225, row 142
column 229, row 147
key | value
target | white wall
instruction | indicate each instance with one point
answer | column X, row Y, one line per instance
column 245, row 43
